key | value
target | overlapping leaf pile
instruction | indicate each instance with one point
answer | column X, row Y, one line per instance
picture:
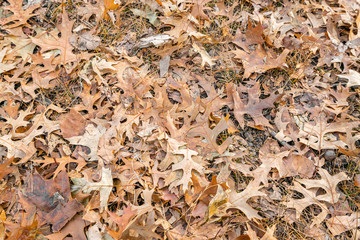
column 179, row 119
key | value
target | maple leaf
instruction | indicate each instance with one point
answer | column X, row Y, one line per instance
column 260, row 61
column 254, row 106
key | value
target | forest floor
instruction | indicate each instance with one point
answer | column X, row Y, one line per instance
column 188, row 119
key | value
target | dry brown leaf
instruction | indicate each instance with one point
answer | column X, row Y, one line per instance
column 72, row 124
column 328, row 183
column 62, row 43
column 186, row 165
column 299, row 165
column 260, row 61
column 19, row 16
column 239, row 200
column 52, row 199
column 90, row 139
column 253, row 35
column 339, row 224
column 85, row 41
column 75, row 228
column 211, row 135
column 204, row 55
column 104, row 186
column 254, row 105
column 5, row 168
column 271, row 157
column 122, row 222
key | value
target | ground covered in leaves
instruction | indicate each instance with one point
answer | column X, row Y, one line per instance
column 179, row 119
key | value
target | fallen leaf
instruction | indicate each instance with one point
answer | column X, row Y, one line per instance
column 62, row 43
column 204, row 55
column 19, row 16
column 239, row 200
column 72, row 124
column 90, row 139
column 122, row 222
column 85, row 41
column 253, row 35
column 260, row 61
column 104, row 186
column 299, row 165
column 339, row 224
column 254, row 106
column 353, row 77
column 186, row 165
column 156, row 40
column 52, row 199
column 75, row 228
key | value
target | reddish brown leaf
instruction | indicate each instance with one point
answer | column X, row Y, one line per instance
column 52, row 199
column 122, row 222
column 5, row 168
column 254, row 106
column 253, row 35
column 75, row 228
column 72, row 124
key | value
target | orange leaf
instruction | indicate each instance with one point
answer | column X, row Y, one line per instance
column 110, row 5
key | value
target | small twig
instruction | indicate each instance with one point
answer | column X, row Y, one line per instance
column 283, row 143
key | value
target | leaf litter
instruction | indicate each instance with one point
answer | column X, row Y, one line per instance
column 179, row 120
